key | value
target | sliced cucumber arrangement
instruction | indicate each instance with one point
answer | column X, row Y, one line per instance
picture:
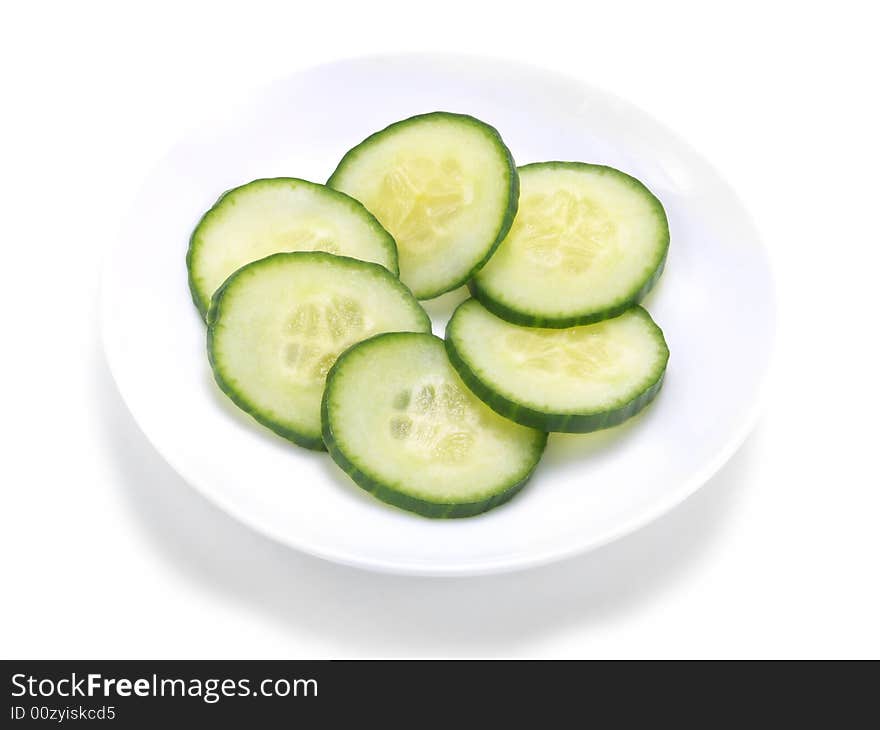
column 588, row 243
column 280, row 214
column 277, row 325
column 312, row 332
column 574, row 380
column 400, row 422
column 446, row 188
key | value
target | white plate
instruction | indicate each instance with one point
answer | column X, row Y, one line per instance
column 715, row 304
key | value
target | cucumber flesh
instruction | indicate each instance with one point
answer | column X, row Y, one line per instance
column 588, row 243
column 280, row 214
column 446, row 188
column 574, row 380
column 277, row 325
column 401, row 423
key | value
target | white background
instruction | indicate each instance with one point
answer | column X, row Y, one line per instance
column 107, row 553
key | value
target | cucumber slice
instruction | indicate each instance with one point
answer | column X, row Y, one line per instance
column 401, row 423
column 277, row 325
column 574, row 380
column 446, row 188
column 280, row 214
column 588, row 242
